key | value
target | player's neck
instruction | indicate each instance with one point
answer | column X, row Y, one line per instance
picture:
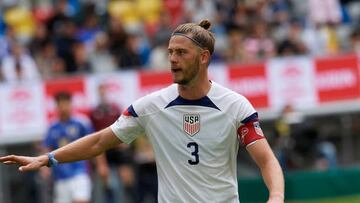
column 196, row 90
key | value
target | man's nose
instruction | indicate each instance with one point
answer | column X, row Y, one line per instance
column 172, row 58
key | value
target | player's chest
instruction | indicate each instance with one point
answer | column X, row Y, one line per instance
column 193, row 122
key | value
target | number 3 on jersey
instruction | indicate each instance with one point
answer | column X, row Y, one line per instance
column 195, row 152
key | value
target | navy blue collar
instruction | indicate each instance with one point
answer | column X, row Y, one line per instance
column 204, row 101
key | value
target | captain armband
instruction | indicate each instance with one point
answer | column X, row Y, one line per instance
column 250, row 132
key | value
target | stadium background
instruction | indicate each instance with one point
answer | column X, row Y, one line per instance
column 297, row 61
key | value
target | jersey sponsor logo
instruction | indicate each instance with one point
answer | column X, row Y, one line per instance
column 191, row 124
column 258, row 128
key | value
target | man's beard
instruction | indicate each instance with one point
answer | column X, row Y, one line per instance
column 193, row 74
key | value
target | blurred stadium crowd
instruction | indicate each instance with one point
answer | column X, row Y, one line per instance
column 52, row 38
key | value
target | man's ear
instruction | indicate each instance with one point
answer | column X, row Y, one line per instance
column 205, row 57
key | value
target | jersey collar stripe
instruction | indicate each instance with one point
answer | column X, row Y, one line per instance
column 132, row 111
column 205, row 101
column 252, row 117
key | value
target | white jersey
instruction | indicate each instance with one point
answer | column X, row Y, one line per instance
column 195, row 141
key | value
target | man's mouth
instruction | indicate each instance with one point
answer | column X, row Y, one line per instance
column 175, row 70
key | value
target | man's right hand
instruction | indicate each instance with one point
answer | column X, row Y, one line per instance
column 26, row 163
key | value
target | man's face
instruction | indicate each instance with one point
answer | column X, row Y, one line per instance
column 64, row 108
column 184, row 59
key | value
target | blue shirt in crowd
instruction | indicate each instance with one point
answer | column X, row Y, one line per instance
column 60, row 134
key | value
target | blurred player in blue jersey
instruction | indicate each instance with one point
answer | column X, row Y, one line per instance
column 195, row 127
column 72, row 182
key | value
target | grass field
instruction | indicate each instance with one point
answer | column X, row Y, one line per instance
column 347, row 199
column 352, row 199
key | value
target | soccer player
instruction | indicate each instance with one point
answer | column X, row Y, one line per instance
column 72, row 182
column 194, row 126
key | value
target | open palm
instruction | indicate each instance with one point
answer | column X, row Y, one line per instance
column 26, row 163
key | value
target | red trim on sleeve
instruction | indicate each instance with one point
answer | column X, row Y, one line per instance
column 250, row 132
column 126, row 113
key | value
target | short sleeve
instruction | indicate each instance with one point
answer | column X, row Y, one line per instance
column 127, row 127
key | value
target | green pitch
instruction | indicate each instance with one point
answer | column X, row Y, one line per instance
column 352, row 199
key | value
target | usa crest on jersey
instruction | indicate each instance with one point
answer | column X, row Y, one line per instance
column 191, row 124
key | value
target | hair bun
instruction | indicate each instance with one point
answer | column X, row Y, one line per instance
column 205, row 24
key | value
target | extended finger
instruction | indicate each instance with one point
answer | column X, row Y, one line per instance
column 7, row 158
column 30, row 167
column 9, row 162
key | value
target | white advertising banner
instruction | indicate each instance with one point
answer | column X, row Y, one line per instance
column 22, row 112
column 218, row 73
column 291, row 82
column 121, row 88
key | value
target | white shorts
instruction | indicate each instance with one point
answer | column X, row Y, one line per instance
column 77, row 188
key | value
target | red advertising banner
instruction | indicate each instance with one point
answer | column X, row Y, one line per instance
column 337, row 78
column 250, row 81
column 151, row 81
column 75, row 86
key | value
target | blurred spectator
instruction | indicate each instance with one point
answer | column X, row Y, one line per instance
column 196, row 10
column 130, row 56
column 100, row 58
column 326, row 11
column 292, row 44
column 81, row 60
column 235, row 48
column 118, row 36
column 72, row 183
column 285, row 130
column 64, row 42
column 89, row 27
column 258, row 45
column 355, row 41
column 57, row 68
column 314, row 41
column 220, row 31
column 146, row 171
column 41, row 36
column 299, row 144
column 159, row 57
column 6, row 40
column 50, row 65
column 18, row 65
column 159, row 54
column 59, row 17
column 135, row 14
column 175, row 9
column 114, row 168
column 22, row 21
column 326, row 155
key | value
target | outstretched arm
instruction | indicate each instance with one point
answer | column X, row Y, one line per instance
column 270, row 168
column 84, row 148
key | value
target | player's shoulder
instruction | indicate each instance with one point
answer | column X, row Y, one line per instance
column 226, row 96
column 155, row 101
column 230, row 102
